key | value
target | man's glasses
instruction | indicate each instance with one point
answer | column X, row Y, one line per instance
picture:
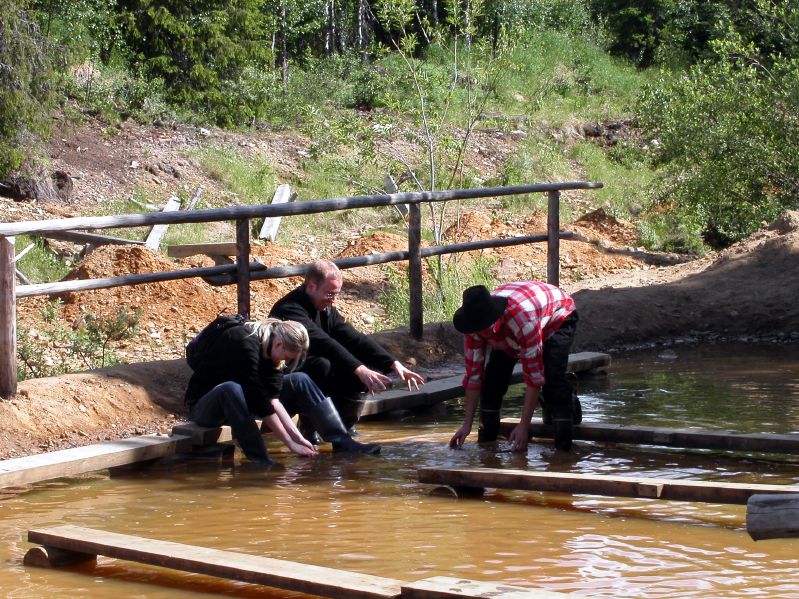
column 332, row 294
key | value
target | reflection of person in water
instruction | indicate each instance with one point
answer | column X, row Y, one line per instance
column 529, row 321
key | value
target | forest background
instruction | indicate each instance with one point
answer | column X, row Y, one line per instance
column 689, row 108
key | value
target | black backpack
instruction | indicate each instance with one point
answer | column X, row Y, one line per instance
column 199, row 350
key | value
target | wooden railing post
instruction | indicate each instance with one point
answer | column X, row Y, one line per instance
column 8, row 320
column 243, row 266
column 553, row 238
column 416, row 310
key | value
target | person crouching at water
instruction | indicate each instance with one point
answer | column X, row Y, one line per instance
column 239, row 376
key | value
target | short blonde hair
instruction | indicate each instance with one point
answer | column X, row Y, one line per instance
column 293, row 335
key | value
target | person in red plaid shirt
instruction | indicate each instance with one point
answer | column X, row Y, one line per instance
column 529, row 321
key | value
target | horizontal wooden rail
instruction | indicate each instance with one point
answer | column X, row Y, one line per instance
column 274, row 210
column 87, row 543
column 226, row 273
column 669, row 437
column 590, row 484
column 81, row 237
column 126, row 280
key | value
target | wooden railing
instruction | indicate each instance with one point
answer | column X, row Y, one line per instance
column 244, row 271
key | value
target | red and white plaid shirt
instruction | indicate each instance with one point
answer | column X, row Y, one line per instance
column 535, row 310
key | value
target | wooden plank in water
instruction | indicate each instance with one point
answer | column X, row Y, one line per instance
column 442, row 587
column 670, row 437
column 293, row 576
column 772, row 516
column 79, row 460
column 590, row 484
column 447, row 388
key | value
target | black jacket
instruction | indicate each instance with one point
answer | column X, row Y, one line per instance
column 237, row 357
column 331, row 336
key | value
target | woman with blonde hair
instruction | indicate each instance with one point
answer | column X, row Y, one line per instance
column 244, row 370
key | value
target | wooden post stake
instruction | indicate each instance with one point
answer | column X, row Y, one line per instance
column 415, row 271
column 553, row 241
column 8, row 319
column 243, row 266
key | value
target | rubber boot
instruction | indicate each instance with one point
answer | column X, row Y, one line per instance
column 489, row 426
column 349, row 409
column 328, row 423
column 577, row 410
column 564, row 433
column 307, row 430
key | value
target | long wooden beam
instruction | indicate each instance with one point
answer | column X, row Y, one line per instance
column 669, row 437
column 93, row 238
column 79, row 460
column 226, row 274
column 288, row 209
column 590, row 484
column 314, row 580
column 451, row 387
column 222, row 248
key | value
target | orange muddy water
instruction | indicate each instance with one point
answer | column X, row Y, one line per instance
column 368, row 514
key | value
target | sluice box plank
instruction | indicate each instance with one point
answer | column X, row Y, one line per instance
column 315, row 580
column 590, row 484
column 436, row 391
column 668, row 437
column 79, row 460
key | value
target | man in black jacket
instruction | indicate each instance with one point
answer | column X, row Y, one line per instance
column 341, row 360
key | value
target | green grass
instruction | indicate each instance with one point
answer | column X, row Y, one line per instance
column 559, row 79
column 625, row 177
column 442, row 292
column 250, row 181
column 39, row 265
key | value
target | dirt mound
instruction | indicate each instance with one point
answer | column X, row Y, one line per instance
column 599, row 227
column 471, row 226
column 377, row 243
column 580, row 257
column 168, row 305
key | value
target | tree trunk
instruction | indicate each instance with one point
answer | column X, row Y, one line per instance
column 282, row 59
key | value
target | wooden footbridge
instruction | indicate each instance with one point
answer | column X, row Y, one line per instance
column 67, row 545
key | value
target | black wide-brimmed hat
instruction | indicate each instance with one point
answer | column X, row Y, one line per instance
column 479, row 311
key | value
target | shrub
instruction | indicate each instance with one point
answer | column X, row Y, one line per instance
column 55, row 350
column 26, row 85
column 726, row 135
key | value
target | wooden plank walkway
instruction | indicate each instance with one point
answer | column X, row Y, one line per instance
column 439, row 390
column 87, row 543
column 590, row 484
column 79, row 460
column 669, row 437
column 66, row 545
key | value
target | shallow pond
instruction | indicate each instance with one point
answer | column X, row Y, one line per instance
column 368, row 514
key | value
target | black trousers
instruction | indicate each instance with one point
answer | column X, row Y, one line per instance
column 344, row 388
column 556, row 393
